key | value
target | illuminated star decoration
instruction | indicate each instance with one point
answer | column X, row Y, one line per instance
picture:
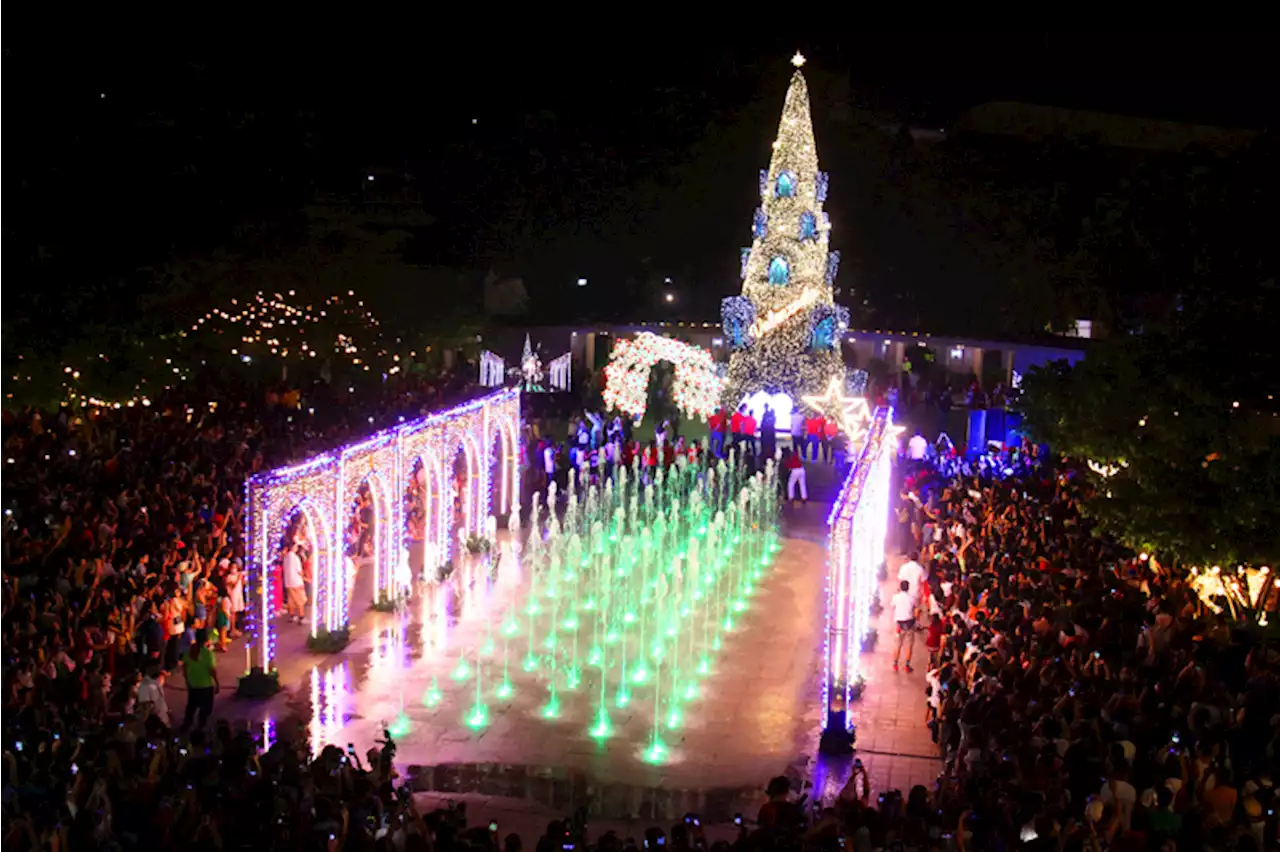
column 798, row 59
column 851, row 413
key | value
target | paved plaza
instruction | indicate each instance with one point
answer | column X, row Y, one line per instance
column 757, row 716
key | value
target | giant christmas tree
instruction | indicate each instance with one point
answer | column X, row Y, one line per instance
column 785, row 327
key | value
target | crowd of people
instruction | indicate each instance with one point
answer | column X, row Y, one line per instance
column 594, row 444
column 1081, row 696
column 123, row 581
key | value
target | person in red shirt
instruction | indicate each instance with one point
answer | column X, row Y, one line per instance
column 829, row 432
column 735, row 426
column 650, row 458
column 716, row 424
column 794, row 465
column 813, row 435
column 749, row 432
column 780, row 811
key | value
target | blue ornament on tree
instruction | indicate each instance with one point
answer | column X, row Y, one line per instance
column 786, row 185
column 833, row 266
column 737, row 313
column 779, row 272
column 808, row 226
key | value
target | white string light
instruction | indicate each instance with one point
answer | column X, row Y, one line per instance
column 696, row 389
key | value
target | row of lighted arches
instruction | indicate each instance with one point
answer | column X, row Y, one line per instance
column 380, row 515
column 448, row 498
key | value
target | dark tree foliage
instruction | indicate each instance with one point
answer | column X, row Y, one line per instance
column 1184, row 408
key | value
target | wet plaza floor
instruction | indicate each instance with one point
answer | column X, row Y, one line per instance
column 421, row 672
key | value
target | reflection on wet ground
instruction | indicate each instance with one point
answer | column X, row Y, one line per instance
column 564, row 791
column 422, row 671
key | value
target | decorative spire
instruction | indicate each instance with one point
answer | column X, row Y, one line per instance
column 793, row 148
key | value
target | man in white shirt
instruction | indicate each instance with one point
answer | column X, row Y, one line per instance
column 549, row 462
column 151, row 694
column 904, row 614
column 1117, row 789
column 295, row 592
column 912, row 572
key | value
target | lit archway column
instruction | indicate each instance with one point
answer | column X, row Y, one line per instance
column 859, row 523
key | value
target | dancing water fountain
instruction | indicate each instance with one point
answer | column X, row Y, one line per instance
column 634, row 583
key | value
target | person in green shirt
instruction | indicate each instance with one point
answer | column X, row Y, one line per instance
column 1165, row 822
column 201, row 671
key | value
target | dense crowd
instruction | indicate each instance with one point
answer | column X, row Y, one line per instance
column 1082, row 696
column 122, row 570
column 594, row 444
column 123, row 580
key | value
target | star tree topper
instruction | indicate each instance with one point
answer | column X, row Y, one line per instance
column 851, row 412
column 798, row 60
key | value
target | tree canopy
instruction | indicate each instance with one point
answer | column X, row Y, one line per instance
column 1181, row 426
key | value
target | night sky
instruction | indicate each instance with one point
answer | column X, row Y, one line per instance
column 619, row 163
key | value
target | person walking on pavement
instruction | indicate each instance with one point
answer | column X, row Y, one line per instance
column 904, row 606
column 795, row 477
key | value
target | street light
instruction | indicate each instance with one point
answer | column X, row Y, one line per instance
column 671, row 297
column 582, row 282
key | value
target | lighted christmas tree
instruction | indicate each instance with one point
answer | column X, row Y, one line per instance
column 785, row 328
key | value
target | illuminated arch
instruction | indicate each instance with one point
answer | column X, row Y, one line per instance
column 434, row 505
column 385, row 561
column 321, row 536
column 472, row 502
column 318, row 489
column 696, row 388
column 505, row 491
